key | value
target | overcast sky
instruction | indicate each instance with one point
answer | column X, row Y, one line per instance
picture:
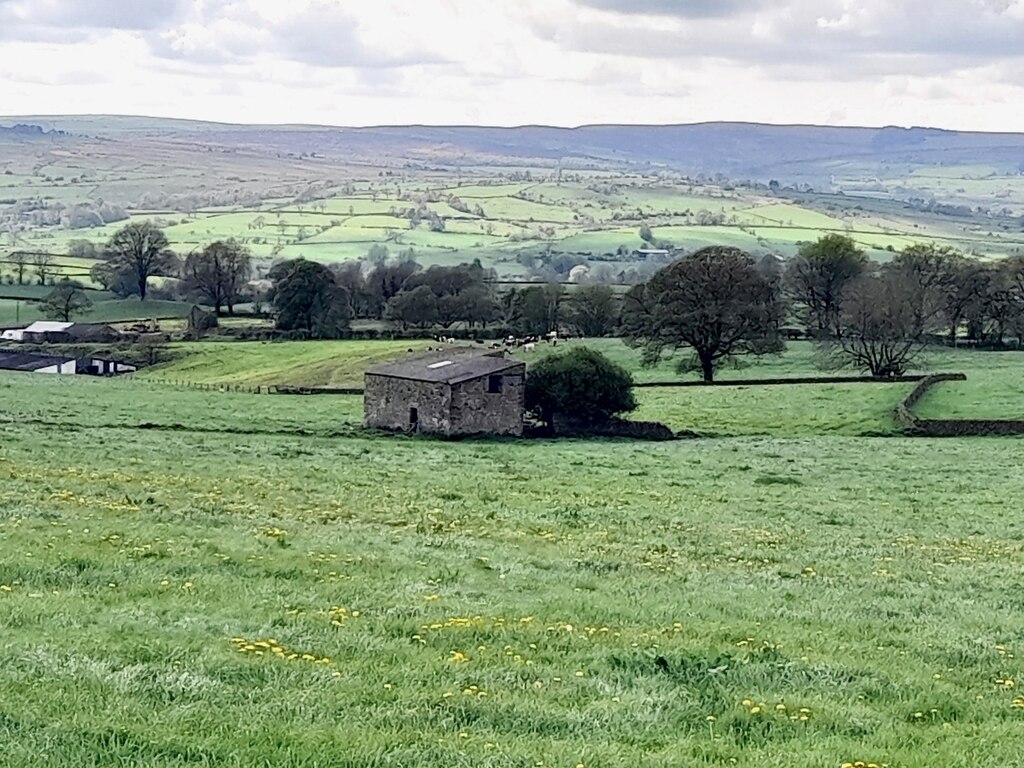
column 945, row 63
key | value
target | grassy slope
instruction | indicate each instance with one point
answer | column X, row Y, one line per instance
column 109, row 311
column 309, row 364
column 626, row 593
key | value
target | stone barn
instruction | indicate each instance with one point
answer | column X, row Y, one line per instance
column 453, row 393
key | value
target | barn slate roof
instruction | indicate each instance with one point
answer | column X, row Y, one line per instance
column 452, row 366
column 20, row 361
column 48, row 326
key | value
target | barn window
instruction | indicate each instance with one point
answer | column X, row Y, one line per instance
column 494, row 385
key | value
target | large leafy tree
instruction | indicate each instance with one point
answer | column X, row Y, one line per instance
column 816, row 277
column 137, row 252
column 593, row 310
column 385, row 280
column 117, row 281
column 582, row 385
column 715, row 303
column 306, row 297
column 218, row 273
column 536, row 310
column 67, row 299
column 461, row 292
column 415, row 307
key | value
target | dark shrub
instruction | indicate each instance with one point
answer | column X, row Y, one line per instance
column 581, row 385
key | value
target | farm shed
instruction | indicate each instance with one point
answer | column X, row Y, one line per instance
column 453, row 393
column 45, row 332
column 16, row 361
column 39, row 331
column 103, row 366
column 88, row 366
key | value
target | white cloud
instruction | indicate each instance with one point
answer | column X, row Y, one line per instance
column 951, row 63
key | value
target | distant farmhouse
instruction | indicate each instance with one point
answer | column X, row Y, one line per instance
column 454, row 393
column 643, row 254
column 49, row 332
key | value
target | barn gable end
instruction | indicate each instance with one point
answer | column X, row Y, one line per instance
column 455, row 393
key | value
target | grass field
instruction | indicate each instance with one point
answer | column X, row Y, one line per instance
column 994, row 388
column 204, row 578
column 14, row 312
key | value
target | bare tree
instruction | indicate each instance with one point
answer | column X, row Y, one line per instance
column 930, row 277
column 965, row 297
column 42, row 263
column 881, row 329
column 68, row 298
column 19, row 259
column 815, row 279
column 218, row 273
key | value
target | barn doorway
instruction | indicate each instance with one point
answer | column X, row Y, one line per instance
column 414, row 419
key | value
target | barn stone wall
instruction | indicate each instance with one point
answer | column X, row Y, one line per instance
column 476, row 411
column 387, row 401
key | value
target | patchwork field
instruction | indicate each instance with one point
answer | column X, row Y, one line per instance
column 206, row 578
column 594, row 219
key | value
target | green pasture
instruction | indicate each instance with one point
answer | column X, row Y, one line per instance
column 13, row 311
column 479, row 191
column 358, row 206
column 526, row 211
column 994, row 388
column 676, row 201
column 343, row 234
column 254, row 363
column 207, row 578
column 791, row 216
column 481, row 226
column 604, row 241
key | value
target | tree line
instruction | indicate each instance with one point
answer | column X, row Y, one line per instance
column 321, row 301
column 719, row 304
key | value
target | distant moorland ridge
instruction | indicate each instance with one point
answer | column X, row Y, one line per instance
column 795, row 153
